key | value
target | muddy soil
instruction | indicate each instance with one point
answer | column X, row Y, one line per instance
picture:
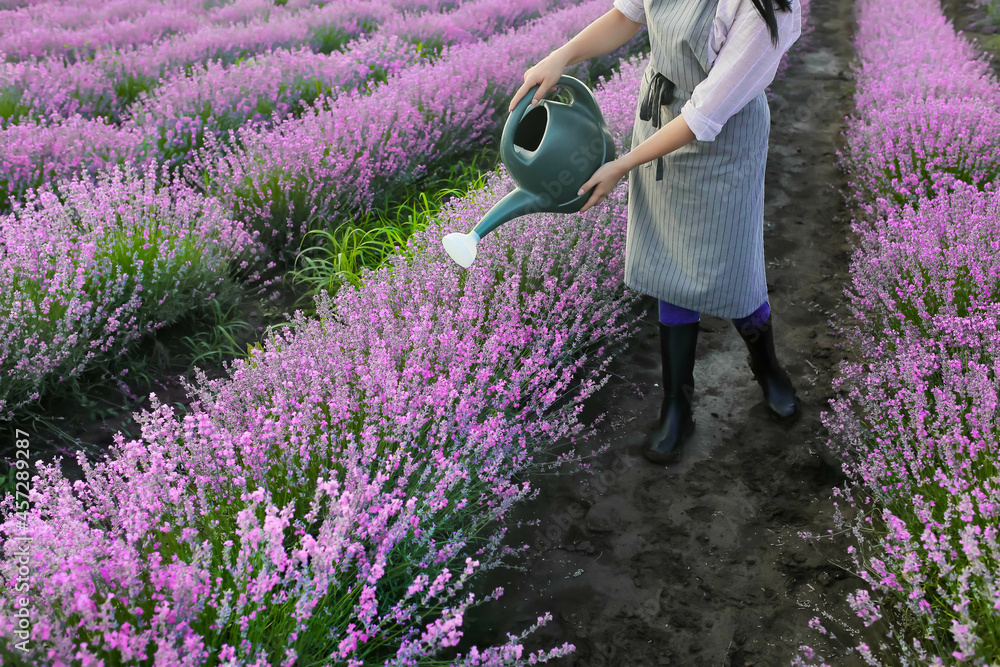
column 700, row 563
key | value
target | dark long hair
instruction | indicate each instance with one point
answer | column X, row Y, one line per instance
column 766, row 10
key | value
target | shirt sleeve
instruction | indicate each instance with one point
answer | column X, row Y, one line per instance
column 633, row 9
column 745, row 65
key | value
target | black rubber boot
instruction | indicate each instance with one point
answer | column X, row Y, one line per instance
column 677, row 347
column 778, row 390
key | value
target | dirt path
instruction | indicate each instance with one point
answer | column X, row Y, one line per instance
column 700, row 563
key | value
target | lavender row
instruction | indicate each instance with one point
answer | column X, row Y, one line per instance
column 929, row 118
column 178, row 115
column 40, row 5
column 55, row 89
column 216, row 99
column 112, row 80
column 918, row 426
column 34, row 155
column 87, row 271
column 472, row 21
column 918, row 421
column 76, row 15
column 78, row 33
column 81, row 15
column 354, row 472
column 345, row 155
column 37, row 151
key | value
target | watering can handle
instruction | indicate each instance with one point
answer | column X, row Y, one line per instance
column 581, row 94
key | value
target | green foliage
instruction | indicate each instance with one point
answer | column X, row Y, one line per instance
column 990, row 13
column 6, row 482
column 431, row 47
column 343, row 253
column 11, row 108
column 220, row 338
column 328, row 38
column 128, row 87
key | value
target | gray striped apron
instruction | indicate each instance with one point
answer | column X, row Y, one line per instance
column 695, row 238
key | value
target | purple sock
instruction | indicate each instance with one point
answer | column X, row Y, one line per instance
column 671, row 315
column 754, row 320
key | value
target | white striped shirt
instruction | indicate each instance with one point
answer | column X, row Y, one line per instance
column 742, row 61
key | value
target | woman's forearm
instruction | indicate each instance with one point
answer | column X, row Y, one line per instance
column 602, row 36
column 667, row 139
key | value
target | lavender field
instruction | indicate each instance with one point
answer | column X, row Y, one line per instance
column 334, row 495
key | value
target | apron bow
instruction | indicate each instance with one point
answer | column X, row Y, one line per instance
column 660, row 92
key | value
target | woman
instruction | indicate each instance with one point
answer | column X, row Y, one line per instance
column 695, row 223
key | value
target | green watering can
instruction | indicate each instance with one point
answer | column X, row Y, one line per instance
column 550, row 152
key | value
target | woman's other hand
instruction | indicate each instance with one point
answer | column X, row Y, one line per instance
column 545, row 74
column 604, row 180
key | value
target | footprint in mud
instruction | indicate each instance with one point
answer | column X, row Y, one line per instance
column 701, row 514
column 579, row 605
column 661, row 495
column 627, row 648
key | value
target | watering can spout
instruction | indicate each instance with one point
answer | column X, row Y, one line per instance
column 517, row 203
column 462, row 247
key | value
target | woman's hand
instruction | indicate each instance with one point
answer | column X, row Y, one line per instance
column 545, row 74
column 604, row 180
